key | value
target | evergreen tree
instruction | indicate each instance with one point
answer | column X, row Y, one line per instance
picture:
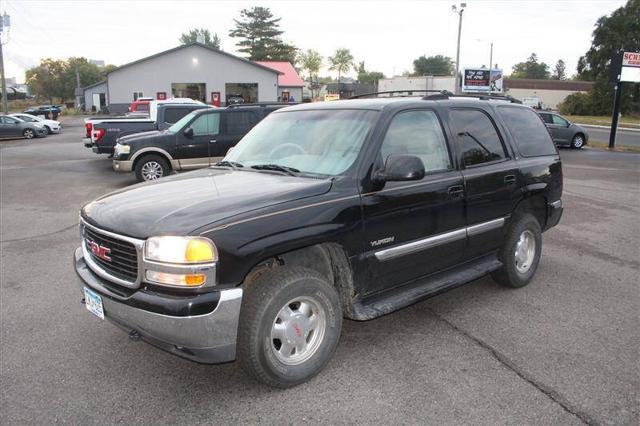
column 210, row 40
column 559, row 71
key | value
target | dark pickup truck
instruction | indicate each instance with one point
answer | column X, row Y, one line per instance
column 102, row 132
column 198, row 140
column 352, row 208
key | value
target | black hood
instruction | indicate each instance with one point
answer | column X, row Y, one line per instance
column 134, row 137
column 180, row 204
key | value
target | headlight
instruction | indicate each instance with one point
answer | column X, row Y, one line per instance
column 122, row 149
column 180, row 250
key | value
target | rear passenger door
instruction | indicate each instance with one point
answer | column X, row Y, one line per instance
column 193, row 152
column 490, row 178
column 235, row 124
column 414, row 228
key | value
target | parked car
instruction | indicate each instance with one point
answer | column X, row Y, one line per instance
column 199, row 139
column 12, row 127
column 47, row 111
column 352, row 208
column 564, row 132
column 51, row 126
column 140, row 105
column 102, row 133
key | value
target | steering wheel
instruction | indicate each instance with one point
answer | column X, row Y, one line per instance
column 287, row 145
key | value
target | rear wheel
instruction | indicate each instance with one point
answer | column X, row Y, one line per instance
column 151, row 167
column 520, row 254
column 577, row 142
column 290, row 324
column 29, row 133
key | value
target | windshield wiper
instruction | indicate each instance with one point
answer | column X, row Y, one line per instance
column 291, row 171
column 232, row 164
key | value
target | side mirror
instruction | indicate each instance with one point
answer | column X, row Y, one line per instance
column 399, row 168
column 188, row 132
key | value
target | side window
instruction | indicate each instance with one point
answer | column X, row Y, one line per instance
column 557, row 120
column 9, row 120
column 417, row 133
column 530, row 134
column 239, row 122
column 477, row 137
column 547, row 118
column 172, row 115
column 200, row 125
column 213, row 123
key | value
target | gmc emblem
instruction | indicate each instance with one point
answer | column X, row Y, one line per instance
column 98, row 250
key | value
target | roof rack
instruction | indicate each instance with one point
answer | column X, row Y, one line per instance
column 446, row 95
column 391, row 92
column 261, row 104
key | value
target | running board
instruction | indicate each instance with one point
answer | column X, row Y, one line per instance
column 397, row 298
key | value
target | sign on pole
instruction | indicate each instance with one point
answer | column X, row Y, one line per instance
column 630, row 71
column 479, row 80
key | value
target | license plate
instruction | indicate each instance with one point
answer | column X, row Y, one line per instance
column 93, row 302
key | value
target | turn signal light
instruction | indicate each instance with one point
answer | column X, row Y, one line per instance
column 178, row 280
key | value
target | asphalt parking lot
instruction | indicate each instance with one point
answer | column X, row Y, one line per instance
column 564, row 350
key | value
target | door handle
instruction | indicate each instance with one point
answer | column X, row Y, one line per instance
column 212, row 141
column 509, row 179
column 456, row 191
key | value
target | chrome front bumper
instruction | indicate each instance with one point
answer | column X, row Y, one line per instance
column 208, row 338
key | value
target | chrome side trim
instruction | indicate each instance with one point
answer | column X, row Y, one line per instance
column 439, row 239
column 425, row 243
column 556, row 204
column 485, row 226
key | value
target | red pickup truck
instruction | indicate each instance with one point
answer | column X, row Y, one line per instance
column 140, row 105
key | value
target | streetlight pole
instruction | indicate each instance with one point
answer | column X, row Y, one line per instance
column 455, row 10
column 4, row 22
column 490, row 66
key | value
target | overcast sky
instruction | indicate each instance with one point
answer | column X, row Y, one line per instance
column 387, row 35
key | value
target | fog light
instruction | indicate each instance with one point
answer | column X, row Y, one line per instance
column 179, row 280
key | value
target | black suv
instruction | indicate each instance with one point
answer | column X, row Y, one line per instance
column 199, row 139
column 351, row 208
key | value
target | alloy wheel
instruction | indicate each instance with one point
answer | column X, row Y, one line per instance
column 152, row 170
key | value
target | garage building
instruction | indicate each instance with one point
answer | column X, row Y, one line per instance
column 191, row 71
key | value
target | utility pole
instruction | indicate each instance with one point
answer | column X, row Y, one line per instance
column 78, row 89
column 490, row 66
column 455, row 10
column 5, row 21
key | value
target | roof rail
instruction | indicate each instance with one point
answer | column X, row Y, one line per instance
column 391, row 92
column 261, row 104
column 480, row 96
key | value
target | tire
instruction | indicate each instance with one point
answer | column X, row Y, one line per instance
column 29, row 133
column 151, row 167
column 578, row 141
column 263, row 351
column 520, row 254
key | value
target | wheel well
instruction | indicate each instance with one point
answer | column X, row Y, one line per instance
column 328, row 259
column 148, row 153
column 536, row 205
column 578, row 134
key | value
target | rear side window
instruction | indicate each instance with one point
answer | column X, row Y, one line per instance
column 172, row 115
column 477, row 137
column 528, row 131
column 547, row 118
column 559, row 121
column 239, row 122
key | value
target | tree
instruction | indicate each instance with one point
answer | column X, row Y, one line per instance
column 531, row 69
column 47, row 79
column 559, row 71
column 368, row 77
column 191, row 36
column 311, row 61
column 341, row 61
column 433, row 65
column 259, row 33
column 619, row 31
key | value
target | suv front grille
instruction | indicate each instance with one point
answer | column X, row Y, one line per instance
column 120, row 259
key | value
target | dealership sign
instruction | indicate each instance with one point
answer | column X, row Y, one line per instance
column 479, row 80
column 630, row 71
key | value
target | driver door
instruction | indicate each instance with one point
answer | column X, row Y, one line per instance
column 559, row 129
column 415, row 228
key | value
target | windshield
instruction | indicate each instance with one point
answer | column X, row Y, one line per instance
column 323, row 142
column 175, row 128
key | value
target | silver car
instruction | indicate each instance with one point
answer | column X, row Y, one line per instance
column 564, row 132
column 12, row 127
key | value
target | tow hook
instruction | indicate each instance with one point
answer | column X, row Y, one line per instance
column 82, row 301
column 134, row 335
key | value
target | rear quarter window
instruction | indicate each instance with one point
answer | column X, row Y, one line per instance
column 527, row 130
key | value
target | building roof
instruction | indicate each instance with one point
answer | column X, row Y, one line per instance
column 539, row 84
column 288, row 75
column 184, row 46
column 94, row 84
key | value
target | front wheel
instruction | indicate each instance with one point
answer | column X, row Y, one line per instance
column 28, row 133
column 151, row 167
column 521, row 252
column 290, row 324
column 577, row 142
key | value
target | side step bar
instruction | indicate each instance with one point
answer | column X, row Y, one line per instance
column 423, row 288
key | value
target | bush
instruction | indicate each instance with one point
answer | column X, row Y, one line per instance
column 577, row 104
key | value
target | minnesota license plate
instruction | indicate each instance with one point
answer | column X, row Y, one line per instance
column 93, row 302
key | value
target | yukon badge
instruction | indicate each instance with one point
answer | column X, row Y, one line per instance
column 382, row 241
